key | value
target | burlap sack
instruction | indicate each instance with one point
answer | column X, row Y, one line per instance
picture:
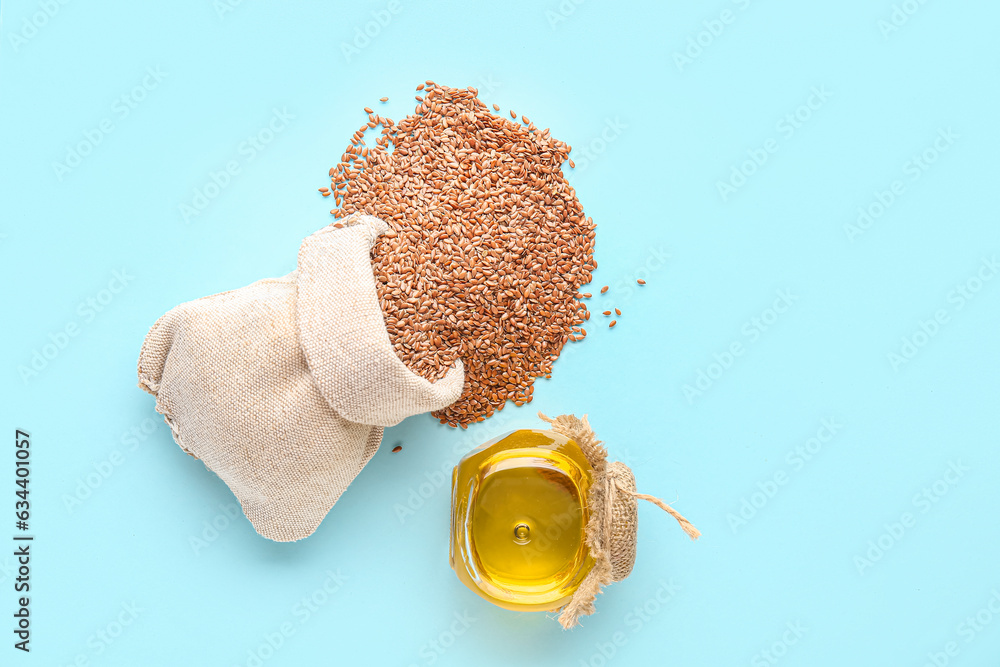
column 282, row 387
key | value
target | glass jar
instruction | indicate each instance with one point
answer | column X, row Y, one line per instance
column 519, row 518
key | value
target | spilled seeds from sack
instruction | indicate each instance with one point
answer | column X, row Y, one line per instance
column 487, row 249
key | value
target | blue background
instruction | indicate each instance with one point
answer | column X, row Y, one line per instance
column 803, row 562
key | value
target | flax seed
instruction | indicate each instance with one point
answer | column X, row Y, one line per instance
column 487, row 248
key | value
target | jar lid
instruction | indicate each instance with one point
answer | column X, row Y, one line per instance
column 613, row 525
column 624, row 522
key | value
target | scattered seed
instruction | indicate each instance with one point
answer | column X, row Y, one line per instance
column 397, row 448
column 496, row 107
column 324, row 189
column 572, row 165
column 383, row 99
column 420, row 87
column 613, row 323
column 641, row 281
column 326, row 194
column 513, row 114
column 587, row 295
column 604, row 289
column 618, row 312
column 606, row 312
column 460, row 187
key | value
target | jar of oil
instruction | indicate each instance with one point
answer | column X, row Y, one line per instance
column 519, row 518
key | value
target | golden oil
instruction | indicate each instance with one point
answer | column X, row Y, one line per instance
column 519, row 516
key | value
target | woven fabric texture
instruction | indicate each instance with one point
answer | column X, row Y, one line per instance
column 624, row 522
column 282, row 387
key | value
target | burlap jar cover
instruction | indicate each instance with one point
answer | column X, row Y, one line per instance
column 613, row 524
column 283, row 387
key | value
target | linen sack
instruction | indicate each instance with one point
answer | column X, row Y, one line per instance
column 282, row 388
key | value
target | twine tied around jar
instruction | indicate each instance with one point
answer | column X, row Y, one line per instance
column 612, row 527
